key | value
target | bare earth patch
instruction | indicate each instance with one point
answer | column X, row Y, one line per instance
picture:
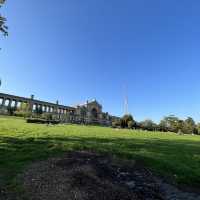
column 90, row 176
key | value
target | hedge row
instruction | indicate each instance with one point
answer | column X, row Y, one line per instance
column 42, row 121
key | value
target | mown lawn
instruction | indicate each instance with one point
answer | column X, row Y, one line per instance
column 167, row 153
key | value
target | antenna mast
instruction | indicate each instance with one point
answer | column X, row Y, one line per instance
column 125, row 101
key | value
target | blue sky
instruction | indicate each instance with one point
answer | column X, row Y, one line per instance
column 73, row 50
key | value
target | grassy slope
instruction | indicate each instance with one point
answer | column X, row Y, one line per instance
column 167, row 153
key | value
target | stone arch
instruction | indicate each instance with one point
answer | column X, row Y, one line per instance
column 7, row 102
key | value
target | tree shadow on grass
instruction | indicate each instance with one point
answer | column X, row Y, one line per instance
column 178, row 157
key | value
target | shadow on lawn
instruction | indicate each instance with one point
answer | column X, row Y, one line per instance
column 180, row 157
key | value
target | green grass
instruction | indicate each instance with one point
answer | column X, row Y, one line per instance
column 167, row 153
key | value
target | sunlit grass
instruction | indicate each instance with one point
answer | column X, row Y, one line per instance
column 166, row 153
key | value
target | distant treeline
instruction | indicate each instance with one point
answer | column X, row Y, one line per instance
column 167, row 124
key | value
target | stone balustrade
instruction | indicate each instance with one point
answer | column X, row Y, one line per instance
column 12, row 101
column 89, row 113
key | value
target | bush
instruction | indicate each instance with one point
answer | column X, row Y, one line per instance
column 20, row 113
column 47, row 116
column 42, row 121
column 116, row 124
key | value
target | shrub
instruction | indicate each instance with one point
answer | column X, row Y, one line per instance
column 21, row 113
column 116, row 124
column 42, row 121
column 47, row 116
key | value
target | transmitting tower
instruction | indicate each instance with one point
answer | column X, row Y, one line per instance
column 125, row 101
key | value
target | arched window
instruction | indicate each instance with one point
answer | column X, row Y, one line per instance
column 7, row 102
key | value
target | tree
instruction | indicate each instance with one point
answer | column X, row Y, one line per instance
column 174, row 124
column 125, row 119
column 163, row 126
column 180, row 126
column 148, row 125
column 169, row 123
column 198, row 128
column 3, row 27
column 189, row 126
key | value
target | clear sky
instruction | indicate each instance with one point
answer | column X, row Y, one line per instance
column 73, row 50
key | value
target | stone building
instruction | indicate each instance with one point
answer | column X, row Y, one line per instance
column 88, row 113
column 91, row 112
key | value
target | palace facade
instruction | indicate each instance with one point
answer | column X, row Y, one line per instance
column 88, row 113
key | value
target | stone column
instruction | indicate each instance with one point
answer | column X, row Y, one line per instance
column 31, row 103
column 10, row 102
column 15, row 104
column 36, row 107
column 57, row 109
column 3, row 102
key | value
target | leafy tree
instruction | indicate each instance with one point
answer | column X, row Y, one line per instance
column 3, row 27
column 180, row 126
column 125, row 119
column 197, row 128
column 174, row 124
column 170, row 123
column 189, row 126
column 163, row 125
column 148, row 125
column 190, row 122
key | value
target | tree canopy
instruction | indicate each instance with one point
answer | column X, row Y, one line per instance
column 125, row 120
column 148, row 124
column 3, row 27
column 169, row 123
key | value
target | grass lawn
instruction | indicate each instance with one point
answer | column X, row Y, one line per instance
column 167, row 153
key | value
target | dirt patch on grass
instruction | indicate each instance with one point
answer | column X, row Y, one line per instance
column 90, row 176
